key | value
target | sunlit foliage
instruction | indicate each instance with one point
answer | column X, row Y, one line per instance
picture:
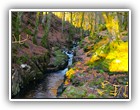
column 70, row 73
column 112, row 24
column 77, row 19
column 119, row 54
column 115, row 52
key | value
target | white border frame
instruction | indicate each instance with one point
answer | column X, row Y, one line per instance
column 58, row 10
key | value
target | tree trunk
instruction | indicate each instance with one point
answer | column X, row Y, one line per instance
column 18, row 25
column 82, row 24
column 45, row 41
column 63, row 22
column 36, row 28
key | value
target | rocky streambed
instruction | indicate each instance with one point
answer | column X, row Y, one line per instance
column 51, row 84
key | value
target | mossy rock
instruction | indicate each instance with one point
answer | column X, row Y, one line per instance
column 60, row 59
column 41, row 61
column 74, row 92
column 92, row 96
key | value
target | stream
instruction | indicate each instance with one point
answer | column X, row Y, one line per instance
column 51, row 85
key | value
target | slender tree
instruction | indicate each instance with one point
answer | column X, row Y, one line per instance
column 44, row 17
column 16, row 24
column 63, row 21
column 112, row 24
column 125, row 20
column 36, row 28
column 97, row 21
column 91, row 23
column 44, row 40
column 81, row 25
column 70, row 29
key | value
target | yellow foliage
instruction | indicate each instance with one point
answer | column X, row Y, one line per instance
column 98, row 51
column 69, row 73
column 102, row 55
column 119, row 56
column 44, row 13
column 37, row 15
column 67, row 82
column 112, row 24
column 101, row 43
column 94, row 58
column 119, row 65
column 77, row 19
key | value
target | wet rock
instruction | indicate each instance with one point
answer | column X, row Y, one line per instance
column 16, row 82
column 21, row 77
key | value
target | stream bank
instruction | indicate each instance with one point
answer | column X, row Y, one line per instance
column 51, row 85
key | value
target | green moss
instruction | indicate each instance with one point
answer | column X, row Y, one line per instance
column 75, row 92
column 99, row 80
column 29, row 32
column 92, row 83
column 109, row 88
column 101, row 71
column 20, row 60
column 86, row 48
column 102, row 64
column 60, row 58
column 72, row 77
column 96, row 82
column 91, row 96
column 91, row 66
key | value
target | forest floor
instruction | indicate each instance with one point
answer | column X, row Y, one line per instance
column 93, row 79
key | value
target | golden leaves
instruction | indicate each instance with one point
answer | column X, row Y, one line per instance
column 69, row 73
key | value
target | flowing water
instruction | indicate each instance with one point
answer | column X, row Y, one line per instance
column 49, row 87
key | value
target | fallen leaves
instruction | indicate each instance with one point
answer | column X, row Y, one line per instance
column 100, row 92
